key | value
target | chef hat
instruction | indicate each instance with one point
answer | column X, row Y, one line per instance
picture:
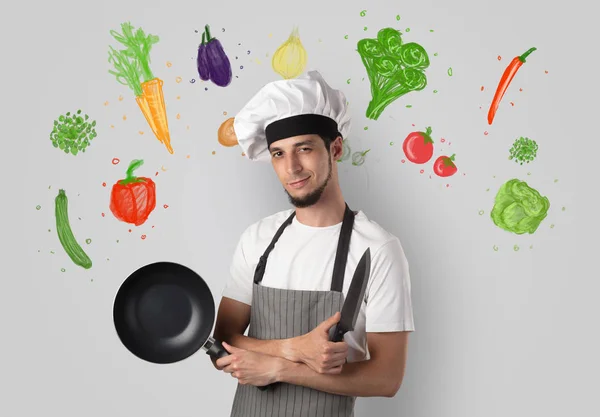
column 285, row 108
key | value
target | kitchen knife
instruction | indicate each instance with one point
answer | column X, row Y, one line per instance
column 353, row 300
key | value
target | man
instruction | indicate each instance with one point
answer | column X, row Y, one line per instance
column 291, row 271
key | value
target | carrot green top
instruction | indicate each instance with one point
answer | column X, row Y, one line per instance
column 133, row 62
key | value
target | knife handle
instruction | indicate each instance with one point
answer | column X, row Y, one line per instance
column 336, row 334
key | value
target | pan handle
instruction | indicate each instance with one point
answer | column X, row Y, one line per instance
column 215, row 349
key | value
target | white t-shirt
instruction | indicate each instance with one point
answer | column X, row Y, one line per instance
column 303, row 259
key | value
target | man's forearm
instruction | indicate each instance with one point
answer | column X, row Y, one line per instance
column 283, row 348
column 358, row 379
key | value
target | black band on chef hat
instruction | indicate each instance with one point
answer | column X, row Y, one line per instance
column 302, row 124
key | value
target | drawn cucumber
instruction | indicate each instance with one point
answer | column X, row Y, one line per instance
column 65, row 234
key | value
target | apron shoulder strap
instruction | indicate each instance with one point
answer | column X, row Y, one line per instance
column 341, row 256
column 262, row 262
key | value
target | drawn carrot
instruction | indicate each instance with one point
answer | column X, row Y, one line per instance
column 507, row 76
column 132, row 68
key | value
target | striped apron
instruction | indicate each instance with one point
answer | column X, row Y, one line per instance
column 280, row 314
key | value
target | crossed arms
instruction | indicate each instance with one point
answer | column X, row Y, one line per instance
column 309, row 360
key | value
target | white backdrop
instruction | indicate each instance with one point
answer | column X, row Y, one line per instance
column 499, row 331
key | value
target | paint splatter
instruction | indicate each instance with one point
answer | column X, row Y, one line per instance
column 38, row 207
column 407, row 29
column 450, row 71
column 115, row 161
column 143, row 237
column 363, row 13
column 495, row 248
column 169, row 65
column 88, row 241
column 178, row 79
column 62, row 269
column 397, row 17
column 499, row 57
column 481, row 212
column 165, row 205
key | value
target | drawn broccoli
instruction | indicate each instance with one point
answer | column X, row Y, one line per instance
column 394, row 68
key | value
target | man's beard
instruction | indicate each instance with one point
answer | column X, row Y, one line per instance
column 312, row 197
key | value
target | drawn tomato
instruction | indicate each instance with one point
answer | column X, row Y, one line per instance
column 444, row 166
column 132, row 199
column 418, row 146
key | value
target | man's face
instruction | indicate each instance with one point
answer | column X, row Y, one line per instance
column 303, row 166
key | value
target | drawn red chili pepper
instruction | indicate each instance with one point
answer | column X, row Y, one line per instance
column 507, row 76
column 133, row 199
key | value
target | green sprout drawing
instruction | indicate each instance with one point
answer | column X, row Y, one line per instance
column 72, row 132
column 519, row 208
column 394, row 68
column 358, row 158
column 523, row 150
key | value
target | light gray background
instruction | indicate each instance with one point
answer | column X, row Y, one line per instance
column 497, row 332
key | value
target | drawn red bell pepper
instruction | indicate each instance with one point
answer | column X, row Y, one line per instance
column 132, row 199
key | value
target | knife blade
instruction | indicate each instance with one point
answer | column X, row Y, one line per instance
column 353, row 300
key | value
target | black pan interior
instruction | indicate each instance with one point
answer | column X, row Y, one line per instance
column 163, row 312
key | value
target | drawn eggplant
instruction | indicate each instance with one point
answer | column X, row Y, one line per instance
column 216, row 61
column 202, row 62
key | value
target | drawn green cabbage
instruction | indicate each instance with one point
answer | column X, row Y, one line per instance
column 519, row 208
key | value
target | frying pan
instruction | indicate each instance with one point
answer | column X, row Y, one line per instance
column 163, row 313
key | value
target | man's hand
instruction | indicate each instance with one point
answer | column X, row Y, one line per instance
column 316, row 351
column 249, row 367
